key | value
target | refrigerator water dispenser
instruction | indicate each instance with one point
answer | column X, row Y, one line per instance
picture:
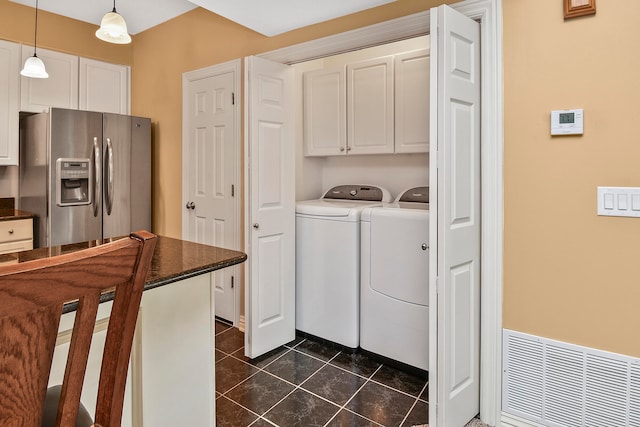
column 73, row 183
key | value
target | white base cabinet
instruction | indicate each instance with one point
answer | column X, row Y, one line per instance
column 171, row 379
column 16, row 235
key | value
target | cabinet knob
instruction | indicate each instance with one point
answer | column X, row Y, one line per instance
column 256, row 226
column 11, row 231
column 424, row 247
column 341, row 148
column 348, row 148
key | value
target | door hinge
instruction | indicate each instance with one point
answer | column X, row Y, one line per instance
column 233, row 190
column 232, row 282
column 233, row 98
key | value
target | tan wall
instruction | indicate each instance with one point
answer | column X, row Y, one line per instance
column 56, row 32
column 195, row 40
column 568, row 273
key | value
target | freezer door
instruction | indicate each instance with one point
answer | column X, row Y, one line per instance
column 116, row 195
column 140, row 174
column 73, row 135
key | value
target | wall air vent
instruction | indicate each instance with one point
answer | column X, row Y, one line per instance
column 557, row 384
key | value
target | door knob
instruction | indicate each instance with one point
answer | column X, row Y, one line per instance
column 256, row 225
column 190, row 205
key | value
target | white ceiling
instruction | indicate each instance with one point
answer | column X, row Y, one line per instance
column 268, row 17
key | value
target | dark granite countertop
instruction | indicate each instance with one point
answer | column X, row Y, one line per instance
column 173, row 260
column 11, row 214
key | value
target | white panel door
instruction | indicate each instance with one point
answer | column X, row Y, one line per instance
column 210, row 199
column 104, row 87
column 455, row 50
column 270, row 195
column 59, row 90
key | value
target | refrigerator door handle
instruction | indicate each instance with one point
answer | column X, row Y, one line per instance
column 97, row 174
column 109, row 183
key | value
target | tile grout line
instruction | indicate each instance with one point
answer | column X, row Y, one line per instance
column 299, row 386
column 343, row 407
column 246, row 409
column 415, row 403
column 295, row 386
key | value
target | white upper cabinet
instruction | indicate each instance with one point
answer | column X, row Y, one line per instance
column 412, row 102
column 9, row 101
column 59, row 90
column 104, row 86
column 370, row 106
column 324, row 112
column 373, row 106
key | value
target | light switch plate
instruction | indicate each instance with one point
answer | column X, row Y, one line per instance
column 619, row 201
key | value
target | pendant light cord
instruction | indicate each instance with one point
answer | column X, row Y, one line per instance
column 35, row 33
column 114, row 6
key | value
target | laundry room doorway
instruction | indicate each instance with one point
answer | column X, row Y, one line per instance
column 463, row 277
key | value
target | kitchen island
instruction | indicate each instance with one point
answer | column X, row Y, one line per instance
column 171, row 377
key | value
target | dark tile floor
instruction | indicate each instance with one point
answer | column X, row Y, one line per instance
column 306, row 383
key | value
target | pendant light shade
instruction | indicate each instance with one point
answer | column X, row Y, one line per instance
column 33, row 66
column 113, row 28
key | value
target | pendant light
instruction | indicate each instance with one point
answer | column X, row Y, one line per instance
column 33, row 66
column 113, row 29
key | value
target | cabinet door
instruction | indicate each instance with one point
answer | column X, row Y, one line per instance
column 10, row 83
column 412, row 102
column 324, row 112
column 104, row 86
column 370, row 106
column 59, row 90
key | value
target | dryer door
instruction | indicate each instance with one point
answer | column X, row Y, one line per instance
column 399, row 254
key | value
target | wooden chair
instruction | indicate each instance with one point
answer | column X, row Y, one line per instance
column 32, row 295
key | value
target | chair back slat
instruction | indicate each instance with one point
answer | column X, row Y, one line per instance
column 31, row 298
column 27, row 342
column 77, row 359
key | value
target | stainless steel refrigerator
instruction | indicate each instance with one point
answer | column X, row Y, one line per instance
column 86, row 175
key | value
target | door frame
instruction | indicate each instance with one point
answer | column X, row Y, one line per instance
column 489, row 14
column 234, row 66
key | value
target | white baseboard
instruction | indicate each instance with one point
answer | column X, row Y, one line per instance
column 508, row 420
column 241, row 323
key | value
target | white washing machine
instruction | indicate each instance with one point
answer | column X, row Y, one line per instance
column 394, row 282
column 328, row 262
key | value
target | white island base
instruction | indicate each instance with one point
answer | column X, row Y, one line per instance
column 171, row 379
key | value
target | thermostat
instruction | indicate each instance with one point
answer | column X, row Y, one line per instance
column 567, row 122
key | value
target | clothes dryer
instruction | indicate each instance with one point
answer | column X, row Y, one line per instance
column 394, row 283
column 328, row 262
